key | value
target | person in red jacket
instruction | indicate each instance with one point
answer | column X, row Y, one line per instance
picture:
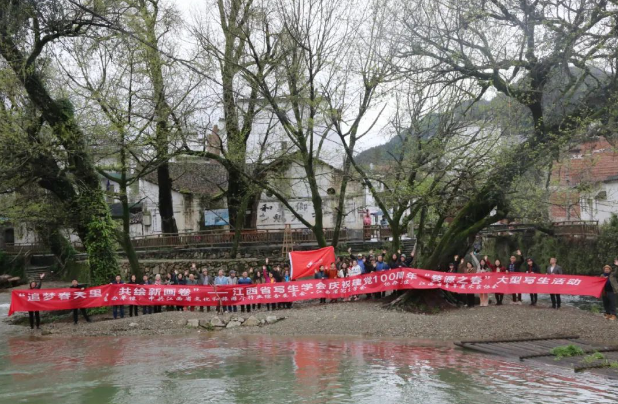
column 497, row 267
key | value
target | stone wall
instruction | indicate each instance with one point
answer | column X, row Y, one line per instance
column 167, row 260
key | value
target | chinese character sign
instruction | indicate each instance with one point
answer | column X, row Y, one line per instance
column 395, row 279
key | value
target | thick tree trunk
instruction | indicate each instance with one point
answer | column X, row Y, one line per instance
column 124, row 238
column 471, row 219
column 58, row 244
column 236, row 197
column 318, row 232
column 396, row 236
column 240, row 218
column 166, row 205
column 85, row 197
column 98, row 236
column 342, row 198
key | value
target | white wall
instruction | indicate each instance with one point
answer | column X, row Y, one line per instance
column 272, row 214
column 601, row 209
column 186, row 209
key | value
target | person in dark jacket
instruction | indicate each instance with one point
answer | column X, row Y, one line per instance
column 554, row 269
column 514, row 266
column 395, row 262
column 133, row 308
column 204, row 280
column 146, row 309
column 258, row 278
column 76, row 285
column 466, row 267
column 320, row 274
column 532, row 268
column 178, row 279
column 34, row 315
column 117, row 308
column 459, row 297
column 609, row 291
column 381, row 265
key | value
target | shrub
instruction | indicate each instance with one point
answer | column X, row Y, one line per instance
column 566, row 351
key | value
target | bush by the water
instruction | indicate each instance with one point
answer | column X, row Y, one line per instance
column 566, row 351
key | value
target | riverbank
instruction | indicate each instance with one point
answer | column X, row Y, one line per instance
column 366, row 318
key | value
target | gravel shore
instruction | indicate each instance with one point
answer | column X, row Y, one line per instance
column 365, row 318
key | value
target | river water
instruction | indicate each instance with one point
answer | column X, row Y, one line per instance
column 209, row 368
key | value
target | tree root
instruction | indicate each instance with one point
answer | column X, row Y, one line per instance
column 429, row 301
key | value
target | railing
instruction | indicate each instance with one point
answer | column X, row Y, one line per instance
column 504, row 228
column 568, row 228
column 23, row 248
column 376, row 232
column 200, row 238
column 258, row 236
column 577, row 227
column 247, row 236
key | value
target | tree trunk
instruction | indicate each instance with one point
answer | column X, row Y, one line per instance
column 396, row 235
column 166, row 205
column 58, row 244
column 318, row 232
column 124, row 239
column 98, row 236
column 471, row 219
column 341, row 202
column 162, row 113
column 85, row 197
column 240, row 219
column 236, row 197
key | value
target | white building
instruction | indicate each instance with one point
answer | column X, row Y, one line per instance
column 195, row 183
column 272, row 214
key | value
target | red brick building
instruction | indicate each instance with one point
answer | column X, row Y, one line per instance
column 585, row 183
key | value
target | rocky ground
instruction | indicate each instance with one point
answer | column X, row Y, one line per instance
column 361, row 318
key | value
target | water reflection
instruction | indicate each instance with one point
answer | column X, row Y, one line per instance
column 250, row 369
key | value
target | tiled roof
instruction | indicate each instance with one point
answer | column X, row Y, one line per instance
column 199, row 177
column 593, row 161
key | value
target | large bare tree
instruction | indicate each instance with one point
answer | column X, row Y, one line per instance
column 317, row 66
column 555, row 58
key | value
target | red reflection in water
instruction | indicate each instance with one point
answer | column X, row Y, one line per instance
column 316, row 362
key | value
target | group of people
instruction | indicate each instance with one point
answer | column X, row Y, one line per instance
column 345, row 266
column 264, row 274
column 359, row 264
column 516, row 264
column 35, row 317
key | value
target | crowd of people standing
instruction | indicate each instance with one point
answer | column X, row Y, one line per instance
column 344, row 267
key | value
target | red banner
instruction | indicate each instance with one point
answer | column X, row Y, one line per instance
column 305, row 263
column 395, row 279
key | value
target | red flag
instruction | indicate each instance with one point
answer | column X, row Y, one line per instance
column 304, row 263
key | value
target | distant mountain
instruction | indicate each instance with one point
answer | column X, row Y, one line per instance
column 506, row 113
column 483, row 110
